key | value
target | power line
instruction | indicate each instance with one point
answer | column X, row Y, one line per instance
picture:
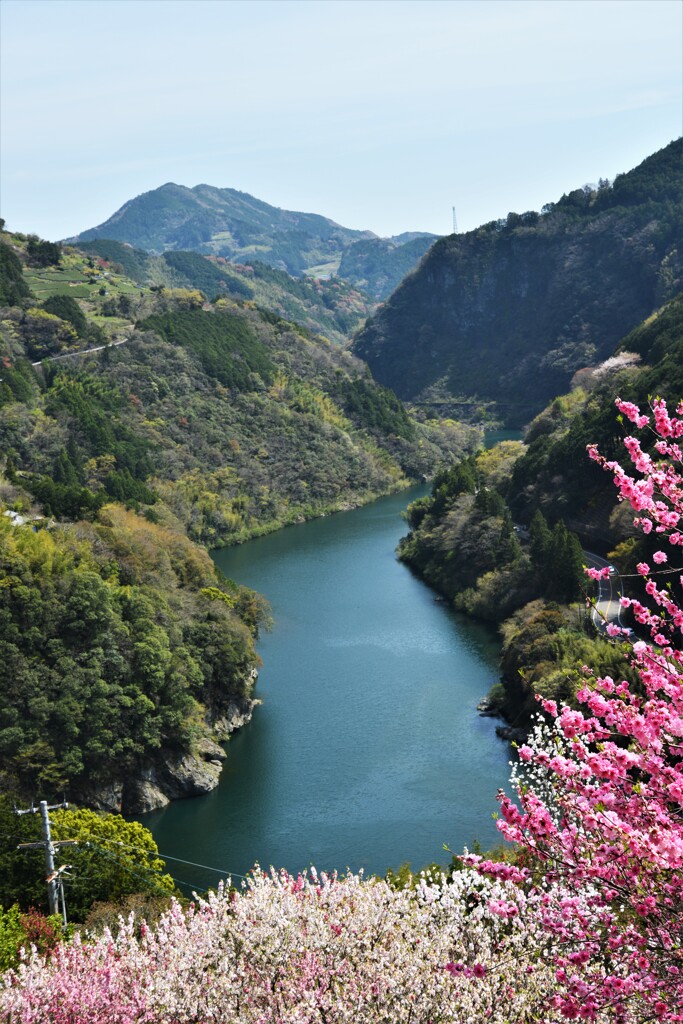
column 179, row 860
column 137, row 874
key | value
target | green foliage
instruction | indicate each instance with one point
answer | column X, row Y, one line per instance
column 545, row 647
column 558, row 560
column 45, row 334
column 378, row 265
column 68, row 309
column 228, row 349
column 555, row 473
column 110, row 860
column 376, row 407
column 211, row 278
column 113, row 859
column 13, row 936
column 22, row 930
column 64, row 500
column 464, row 544
column 132, row 262
column 41, row 253
column 17, row 382
column 99, row 412
column 108, row 651
column 146, row 422
column 333, row 307
column 13, row 287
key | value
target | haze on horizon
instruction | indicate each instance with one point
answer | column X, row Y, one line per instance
column 381, row 114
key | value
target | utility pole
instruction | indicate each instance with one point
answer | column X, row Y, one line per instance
column 52, row 877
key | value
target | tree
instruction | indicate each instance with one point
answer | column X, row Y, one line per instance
column 13, row 287
column 20, row 931
column 600, row 790
column 66, row 307
column 541, row 539
column 43, row 254
column 113, row 858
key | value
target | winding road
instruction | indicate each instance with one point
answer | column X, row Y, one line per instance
column 607, row 607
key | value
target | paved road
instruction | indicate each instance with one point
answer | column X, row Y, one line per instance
column 83, row 352
column 607, row 607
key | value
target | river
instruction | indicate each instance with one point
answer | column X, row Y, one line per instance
column 368, row 750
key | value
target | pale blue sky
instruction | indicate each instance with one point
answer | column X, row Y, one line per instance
column 381, row 114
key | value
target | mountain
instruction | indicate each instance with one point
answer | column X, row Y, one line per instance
column 226, row 223
column 555, row 474
column 378, row 265
column 505, row 315
column 273, row 421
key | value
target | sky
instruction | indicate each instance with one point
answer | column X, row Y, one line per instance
column 381, row 114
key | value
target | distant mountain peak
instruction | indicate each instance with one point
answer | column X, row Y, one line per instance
column 226, row 222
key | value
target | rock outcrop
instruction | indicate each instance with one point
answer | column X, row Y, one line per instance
column 173, row 776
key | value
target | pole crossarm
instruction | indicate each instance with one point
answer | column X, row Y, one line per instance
column 41, row 844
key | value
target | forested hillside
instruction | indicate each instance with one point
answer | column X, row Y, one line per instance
column 378, row 265
column 332, row 308
column 555, row 474
column 503, row 316
column 501, row 536
column 232, row 225
column 124, row 656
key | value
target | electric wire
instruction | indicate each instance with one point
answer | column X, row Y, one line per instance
column 137, row 874
column 179, row 860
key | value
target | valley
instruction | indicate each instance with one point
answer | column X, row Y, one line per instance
column 158, row 403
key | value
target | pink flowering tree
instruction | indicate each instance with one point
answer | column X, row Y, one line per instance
column 301, row 950
column 600, row 790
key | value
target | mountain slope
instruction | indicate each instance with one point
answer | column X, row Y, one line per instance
column 227, row 416
column 332, row 308
column 378, row 265
column 555, row 474
column 463, row 542
column 225, row 222
column 507, row 313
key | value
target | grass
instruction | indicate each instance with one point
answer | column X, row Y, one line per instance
column 76, row 278
column 324, row 269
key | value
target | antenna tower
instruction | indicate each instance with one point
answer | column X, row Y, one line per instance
column 455, row 223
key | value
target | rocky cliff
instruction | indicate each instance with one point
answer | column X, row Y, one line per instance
column 508, row 313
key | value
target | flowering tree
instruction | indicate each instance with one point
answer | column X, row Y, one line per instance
column 591, row 930
column 600, row 794
column 305, row 949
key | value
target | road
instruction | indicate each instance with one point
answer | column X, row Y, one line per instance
column 83, row 352
column 607, row 607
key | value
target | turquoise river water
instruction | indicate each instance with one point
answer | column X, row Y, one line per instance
column 368, row 750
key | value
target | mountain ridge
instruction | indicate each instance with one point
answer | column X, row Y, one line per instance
column 229, row 223
column 505, row 314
